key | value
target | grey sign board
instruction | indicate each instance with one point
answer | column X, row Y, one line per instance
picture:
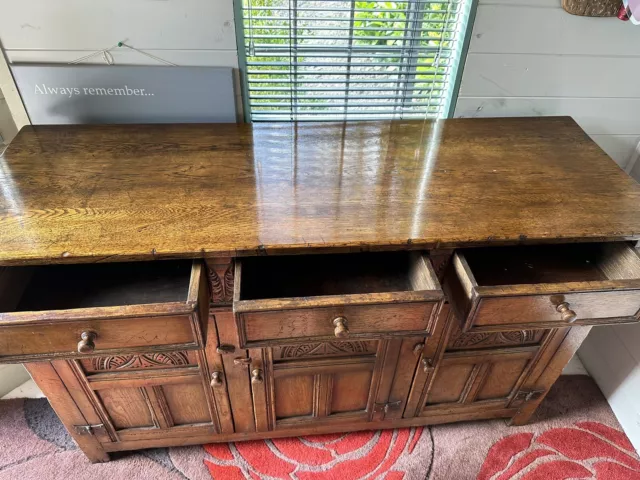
column 80, row 94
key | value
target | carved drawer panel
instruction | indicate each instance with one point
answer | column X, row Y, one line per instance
column 459, row 340
column 324, row 349
column 142, row 361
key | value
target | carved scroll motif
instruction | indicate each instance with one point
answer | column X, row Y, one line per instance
column 121, row 362
column 517, row 337
column 326, row 348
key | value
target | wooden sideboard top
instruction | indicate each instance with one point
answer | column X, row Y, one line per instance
column 108, row 193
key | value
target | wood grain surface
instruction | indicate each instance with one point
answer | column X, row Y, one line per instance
column 112, row 193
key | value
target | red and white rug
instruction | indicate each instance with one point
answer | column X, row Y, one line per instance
column 574, row 436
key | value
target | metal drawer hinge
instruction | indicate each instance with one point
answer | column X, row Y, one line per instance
column 385, row 407
column 527, row 396
column 90, row 429
column 243, row 361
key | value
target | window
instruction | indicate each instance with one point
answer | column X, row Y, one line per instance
column 351, row 60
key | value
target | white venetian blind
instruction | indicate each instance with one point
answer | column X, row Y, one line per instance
column 351, row 60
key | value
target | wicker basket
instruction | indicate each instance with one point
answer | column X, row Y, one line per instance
column 592, row 8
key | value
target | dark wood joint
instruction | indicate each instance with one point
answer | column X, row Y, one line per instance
column 439, row 260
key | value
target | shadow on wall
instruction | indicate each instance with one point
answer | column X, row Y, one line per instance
column 8, row 128
column 11, row 376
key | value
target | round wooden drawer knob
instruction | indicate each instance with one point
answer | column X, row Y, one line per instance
column 216, row 379
column 566, row 313
column 256, row 376
column 341, row 329
column 87, row 342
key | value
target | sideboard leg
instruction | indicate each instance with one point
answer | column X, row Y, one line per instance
column 63, row 404
column 553, row 370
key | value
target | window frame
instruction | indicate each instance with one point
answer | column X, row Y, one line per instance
column 456, row 74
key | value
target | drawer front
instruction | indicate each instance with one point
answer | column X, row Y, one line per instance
column 513, row 288
column 589, row 308
column 285, row 326
column 41, row 341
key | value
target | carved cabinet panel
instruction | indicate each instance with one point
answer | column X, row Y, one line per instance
column 464, row 380
column 141, row 396
column 330, row 382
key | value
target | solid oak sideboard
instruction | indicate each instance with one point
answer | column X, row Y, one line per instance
column 186, row 284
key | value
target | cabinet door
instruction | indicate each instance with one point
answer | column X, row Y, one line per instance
column 129, row 398
column 329, row 382
column 466, row 380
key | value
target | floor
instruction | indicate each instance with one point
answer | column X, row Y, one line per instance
column 574, row 434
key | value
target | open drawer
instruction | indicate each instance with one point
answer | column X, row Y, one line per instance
column 280, row 300
column 501, row 288
column 76, row 310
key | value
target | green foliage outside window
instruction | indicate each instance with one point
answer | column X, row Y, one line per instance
column 287, row 48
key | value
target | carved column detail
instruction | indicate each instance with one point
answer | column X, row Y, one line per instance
column 220, row 274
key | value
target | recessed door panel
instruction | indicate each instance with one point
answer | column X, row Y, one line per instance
column 294, row 396
column 350, row 391
column 126, row 407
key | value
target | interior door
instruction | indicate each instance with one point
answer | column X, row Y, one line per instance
column 321, row 383
column 141, row 397
column 464, row 380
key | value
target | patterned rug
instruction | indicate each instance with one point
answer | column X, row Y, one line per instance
column 574, row 436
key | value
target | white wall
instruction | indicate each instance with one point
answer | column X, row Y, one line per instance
column 11, row 376
column 185, row 32
column 529, row 57
column 612, row 357
column 7, row 127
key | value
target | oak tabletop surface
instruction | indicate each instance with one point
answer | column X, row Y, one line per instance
column 122, row 192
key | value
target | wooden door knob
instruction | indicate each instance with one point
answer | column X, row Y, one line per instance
column 566, row 313
column 256, row 376
column 341, row 329
column 216, row 379
column 426, row 365
column 87, row 342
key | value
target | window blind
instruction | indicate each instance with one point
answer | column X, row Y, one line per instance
column 351, row 60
